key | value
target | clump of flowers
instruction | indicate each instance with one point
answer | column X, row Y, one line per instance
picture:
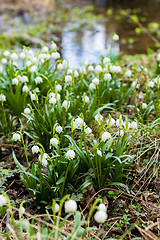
column 101, row 215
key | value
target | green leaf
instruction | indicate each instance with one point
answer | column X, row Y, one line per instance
column 85, row 185
column 80, row 153
column 119, row 184
column 77, row 220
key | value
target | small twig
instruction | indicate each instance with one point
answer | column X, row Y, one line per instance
column 129, row 195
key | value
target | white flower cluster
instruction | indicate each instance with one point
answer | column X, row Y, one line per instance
column 54, row 97
column 101, row 215
column 43, row 158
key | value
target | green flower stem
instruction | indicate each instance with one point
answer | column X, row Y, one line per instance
column 97, row 168
column 64, row 182
column 81, row 139
column 49, row 82
column 91, row 211
column 25, row 151
column 10, row 210
column 4, row 114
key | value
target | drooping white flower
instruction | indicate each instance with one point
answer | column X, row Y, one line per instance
column 79, row 122
column 100, row 216
column 85, row 98
column 134, row 125
column 115, row 69
column 33, row 97
column 95, row 81
column 43, row 159
column 54, row 141
column 14, row 56
column 56, row 208
column 25, row 88
column 55, row 55
column 41, row 57
column 157, row 80
column 22, row 55
column 151, row 84
column 66, row 104
column 59, row 129
column 35, row 149
column 6, row 53
column 99, row 152
column 92, row 86
column 87, row 130
column 2, row 97
column 45, row 49
column 76, row 74
column 74, row 126
column 106, row 136
column 33, row 69
column 90, row 68
column 4, row 61
column 158, row 57
column 121, row 133
column 128, row 73
column 98, row 69
column 102, row 207
column 38, row 80
column 127, row 125
column 58, row 87
column 119, row 123
column 107, row 76
column 15, row 81
column 65, row 64
column 60, row 67
column 22, row 210
column 54, row 46
column 106, row 60
column 23, row 78
column 37, row 90
column 52, row 100
column 68, row 78
column 30, row 53
column 69, row 71
column 111, row 122
column 28, row 63
column 56, row 97
column 98, row 117
column 115, row 37
column 16, row 137
column 1, row 68
column 70, row 154
column 144, row 105
column 70, row 206
column 34, row 60
column 3, row 200
column 27, row 111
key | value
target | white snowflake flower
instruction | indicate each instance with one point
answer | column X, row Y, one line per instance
column 70, row 206
column 106, row 136
column 35, row 149
column 70, row 154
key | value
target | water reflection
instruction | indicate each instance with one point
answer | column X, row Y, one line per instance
column 86, row 44
column 91, row 44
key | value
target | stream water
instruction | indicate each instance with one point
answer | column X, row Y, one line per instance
column 91, row 44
